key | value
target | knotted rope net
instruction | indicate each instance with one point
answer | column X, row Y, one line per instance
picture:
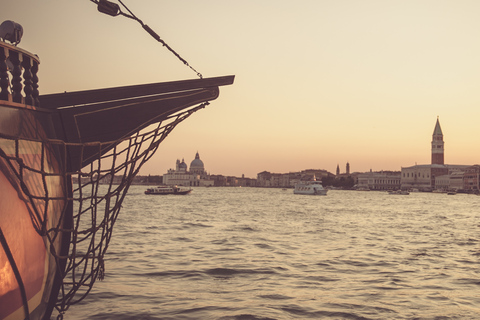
column 96, row 197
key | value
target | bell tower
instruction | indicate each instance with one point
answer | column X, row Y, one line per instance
column 437, row 145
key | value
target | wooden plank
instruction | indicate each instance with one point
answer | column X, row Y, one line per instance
column 59, row 100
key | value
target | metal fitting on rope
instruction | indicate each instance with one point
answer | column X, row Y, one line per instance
column 107, row 7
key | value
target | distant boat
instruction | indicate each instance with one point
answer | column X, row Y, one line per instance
column 363, row 189
column 398, row 192
column 310, row 188
column 165, row 190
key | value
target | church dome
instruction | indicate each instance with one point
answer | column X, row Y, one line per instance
column 197, row 164
column 182, row 165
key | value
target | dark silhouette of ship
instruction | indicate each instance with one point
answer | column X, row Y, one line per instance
column 56, row 219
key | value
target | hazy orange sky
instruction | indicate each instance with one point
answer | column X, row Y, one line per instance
column 318, row 83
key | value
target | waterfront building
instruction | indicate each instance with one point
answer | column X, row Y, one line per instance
column 273, row 180
column 379, row 180
column 442, row 183
column 230, row 181
column 453, row 181
column 245, row 182
column 456, row 180
column 424, row 177
column 263, row 179
column 181, row 176
column 418, row 177
column 471, row 179
column 286, row 180
column 435, row 176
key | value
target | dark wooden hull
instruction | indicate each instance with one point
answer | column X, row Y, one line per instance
column 28, row 261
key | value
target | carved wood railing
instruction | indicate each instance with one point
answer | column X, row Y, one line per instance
column 18, row 75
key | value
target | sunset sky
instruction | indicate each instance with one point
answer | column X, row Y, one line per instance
column 317, row 83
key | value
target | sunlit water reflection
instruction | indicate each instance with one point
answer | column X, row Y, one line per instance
column 252, row 253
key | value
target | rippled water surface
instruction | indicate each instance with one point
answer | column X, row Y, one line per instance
column 252, row 253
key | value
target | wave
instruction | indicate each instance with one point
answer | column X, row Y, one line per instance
column 245, row 317
column 229, row 272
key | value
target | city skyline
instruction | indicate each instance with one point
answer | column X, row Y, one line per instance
column 209, row 172
column 318, row 83
column 437, row 157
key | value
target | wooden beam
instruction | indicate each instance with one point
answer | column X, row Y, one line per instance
column 68, row 99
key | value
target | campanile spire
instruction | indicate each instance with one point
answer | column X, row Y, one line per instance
column 437, row 145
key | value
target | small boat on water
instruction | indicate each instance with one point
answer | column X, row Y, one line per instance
column 399, row 192
column 363, row 189
column 313, row 187
column 165, row 190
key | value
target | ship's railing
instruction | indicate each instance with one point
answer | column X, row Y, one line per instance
column 18, row 75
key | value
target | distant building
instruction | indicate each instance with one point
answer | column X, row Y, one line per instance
column 273, row 180
column 442, row 182
column 197, row 175
column 471, row 179
column 196, row 166
column 437, row 175
column 456, row 180
column 339, row 176
column 263, row 179
column 438, row 149
column 319, row 174
column 347, row 170
column 246, row 182
column 286, row 180
column 453, row 181
column 419, row 177
column 379, row 180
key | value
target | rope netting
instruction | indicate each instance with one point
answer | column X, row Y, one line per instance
column 96, row 196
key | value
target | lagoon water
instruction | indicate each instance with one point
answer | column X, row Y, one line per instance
column 253, row 253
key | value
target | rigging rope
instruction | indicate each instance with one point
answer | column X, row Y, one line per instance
column 113, row 9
